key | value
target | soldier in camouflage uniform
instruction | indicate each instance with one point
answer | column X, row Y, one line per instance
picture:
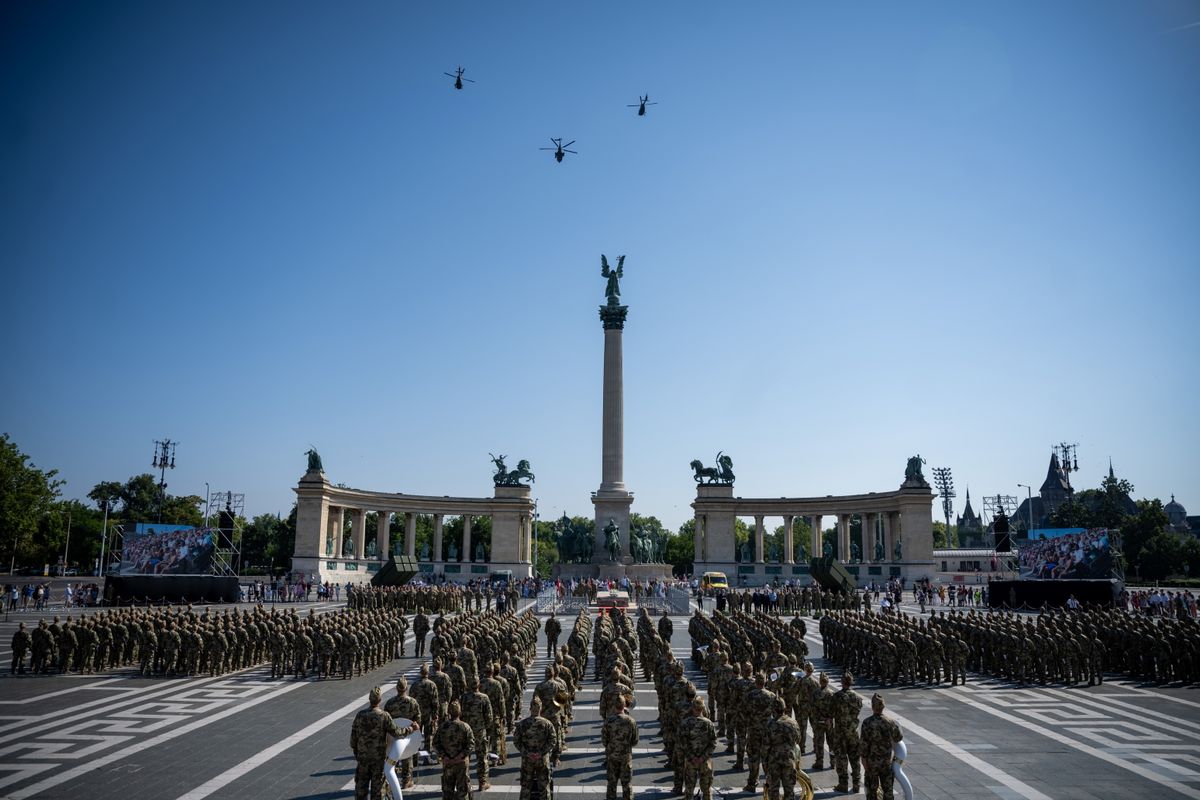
column 477, row 712
column 697, row 740
column 404, row 706
column 739, row 691
column 368, row 740
column 879, row 733
column 420, row 628
column 536, row 739
column 425, row 692
column 759, row 703
column 822, row 721
column 453, row 744
column 553, row 630
column 496, row 690
column 846, row 705
column 781, row 753
column 619, row 736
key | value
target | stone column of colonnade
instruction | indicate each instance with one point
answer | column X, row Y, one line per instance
column 760, row 556
column 358, row 531
column 844, row 537
column 698, row 543
column 383, row 534
column 464, row 556
column 438, row 522
column 789, row 550
column 336, row 525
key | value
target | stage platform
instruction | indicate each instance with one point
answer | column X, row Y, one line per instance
column 134, row 589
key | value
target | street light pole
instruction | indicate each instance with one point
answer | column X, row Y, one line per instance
column 1028, row 504
column 103, row 540
column 67, row 546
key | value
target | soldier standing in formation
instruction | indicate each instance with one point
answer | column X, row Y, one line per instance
column 420, row 627
column 21, row 642
column 553, row 630
column 697, row 740
column 406, row 707
column 536, row 739
column 619, row 736
column 368, row 740
column 846, row 706
column 879, row 734
column 477, row 712
column 782, row 752
column 453, row 744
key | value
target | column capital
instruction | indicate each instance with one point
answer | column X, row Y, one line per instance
column 613, row 316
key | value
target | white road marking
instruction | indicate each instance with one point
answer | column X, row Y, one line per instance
column 103, row 684
column 71, row 774
column 962, row 695
column 993, row 772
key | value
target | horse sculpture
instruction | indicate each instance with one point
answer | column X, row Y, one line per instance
column 505, row 477
column 721, row 473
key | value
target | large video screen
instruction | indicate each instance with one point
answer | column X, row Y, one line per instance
column 153, row 549
column 1067, row 553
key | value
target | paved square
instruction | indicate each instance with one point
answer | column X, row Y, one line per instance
column 245, row 736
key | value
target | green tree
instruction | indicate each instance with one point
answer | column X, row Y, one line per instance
column 681, row 549
column 1149, row 521
column 26, row 495
column 1159, row 557
column 1189, row 557
column 1110, row 511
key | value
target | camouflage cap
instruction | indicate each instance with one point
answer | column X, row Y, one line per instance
column 402, row 684
column 877, row 698
column 375, row 696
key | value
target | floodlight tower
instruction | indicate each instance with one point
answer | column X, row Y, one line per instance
column 164, row 459
column 945, row 486
column 1068, row 459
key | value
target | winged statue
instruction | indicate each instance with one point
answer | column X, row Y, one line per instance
column 613, row 290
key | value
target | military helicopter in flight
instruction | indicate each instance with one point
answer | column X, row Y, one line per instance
column 640, row 105
column 559, row 148
column 458, row 77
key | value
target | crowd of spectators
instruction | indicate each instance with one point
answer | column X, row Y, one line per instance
column 1085, row 554
column 178, row 552
column 1160, row 603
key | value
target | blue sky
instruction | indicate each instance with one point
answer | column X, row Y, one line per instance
column 854, row 232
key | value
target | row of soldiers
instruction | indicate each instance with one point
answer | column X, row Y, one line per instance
column 1071, row 647
column 470, row 714
column 179, row 642
column 466, row 698
column 440, row 599
column 765, row 709
column 790, row 600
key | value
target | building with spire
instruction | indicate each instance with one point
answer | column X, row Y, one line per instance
column 970, row 527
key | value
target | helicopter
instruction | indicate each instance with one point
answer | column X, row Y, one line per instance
column 458, row 77
column 643, row 101
column 559, row 148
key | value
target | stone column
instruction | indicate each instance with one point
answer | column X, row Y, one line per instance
column 337, row 524
column 844, row 537
column 410, row 534
column 612, row 500
column 870, row 535
column 383, row 534
column 437, row 538
column 789, row 546
column 760, row 555
column 888, row 528
column 816, row 551
column 698, row 543
column 359, row 532
column 465, row 555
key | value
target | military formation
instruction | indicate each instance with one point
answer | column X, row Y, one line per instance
column 1069, row 647
column 446, row 599
column 183, row 642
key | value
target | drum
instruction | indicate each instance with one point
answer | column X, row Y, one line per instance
column 398, row 750
column 899, row 753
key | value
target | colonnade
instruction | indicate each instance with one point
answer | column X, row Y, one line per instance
column 877, row 527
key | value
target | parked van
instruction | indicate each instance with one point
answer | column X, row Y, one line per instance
column 713, row 580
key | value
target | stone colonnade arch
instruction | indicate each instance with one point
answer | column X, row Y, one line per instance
column 321, row 509
column 904, row 517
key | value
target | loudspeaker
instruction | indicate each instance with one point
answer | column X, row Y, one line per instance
column 225, row 522
column 1003, row 539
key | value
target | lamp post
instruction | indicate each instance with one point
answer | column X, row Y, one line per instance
column 103, row 539
column 67, row 545
column 945, row 486
column 1029, row 505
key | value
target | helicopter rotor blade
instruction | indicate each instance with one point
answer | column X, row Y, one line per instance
column 469, row 80
column 448, row 75
column 568, row 144
column 569, row 151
